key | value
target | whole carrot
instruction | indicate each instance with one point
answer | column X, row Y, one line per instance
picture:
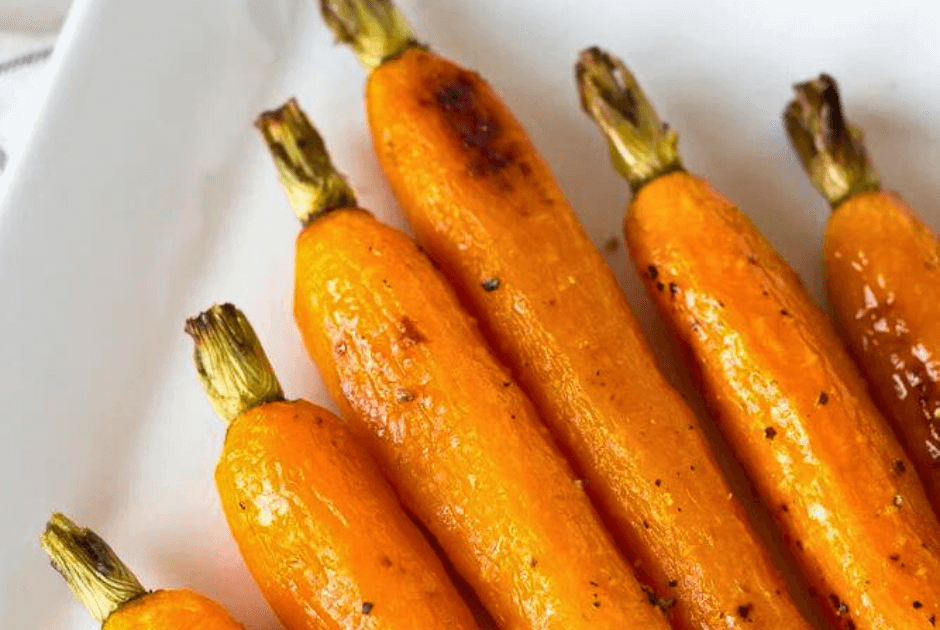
column 883, row 266
column 783, row 390
column 321, row 532
column 112, row 593
column 458, row 439
column 488, row 210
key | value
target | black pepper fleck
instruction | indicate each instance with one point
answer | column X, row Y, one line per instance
column 784, row 312
column 770, row 433
column 653, row 272
column 490, row 284
column 367, row 607
column 673, row 583
column 933, row 620
column 660, row 286
column 894, row 557
column 917, row 604
column 745, row 611
column 658, row 482
column 899, row 467
column 823, row 398
column 242, row 505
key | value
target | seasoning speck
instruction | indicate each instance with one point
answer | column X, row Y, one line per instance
column 745, row 611
column 490, row 284
column 658, row 482
column 917, row 604
column 770, row 433
column 653, row 272
column 660, row 286
column 823, row 398
column 673, row 583
column 367, row 607
column 611, row 245
column 899, row 467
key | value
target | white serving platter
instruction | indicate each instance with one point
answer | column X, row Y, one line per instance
column 144, row 196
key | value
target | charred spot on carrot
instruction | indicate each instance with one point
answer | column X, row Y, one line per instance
column 490, row 284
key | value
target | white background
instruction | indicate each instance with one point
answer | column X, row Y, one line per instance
column 144, row 196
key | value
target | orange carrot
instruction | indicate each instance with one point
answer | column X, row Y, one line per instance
column 458, row 439
column 488, row 210
column 113, row 594
column 883, row 266
column 322, row 533
column 784, row 392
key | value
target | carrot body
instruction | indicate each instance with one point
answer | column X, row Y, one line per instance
column 323, row 534
column 884, row 284
column 461, row 443
column 488, row 209
column 171, row 610
column 792, row 405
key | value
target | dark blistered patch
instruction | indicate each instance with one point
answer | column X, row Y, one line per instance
column 410, row 333
column 477, row 128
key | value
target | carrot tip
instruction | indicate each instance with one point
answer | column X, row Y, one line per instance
column 90, row 567
column 375, row 29
column 830, row 149
column 307, row 174
column 232, row 365
column 641, row 146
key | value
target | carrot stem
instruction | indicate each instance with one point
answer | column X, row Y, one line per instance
column 641, row 145
column 312, row 183
column 832, row 151
column 231, row 363
column 375, row 29
column 90, row 567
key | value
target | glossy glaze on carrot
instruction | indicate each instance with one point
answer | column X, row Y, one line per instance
column 486, row 207
column 782, row 388
column 883, row 265
column 323, row 534
column 112, row 593
column 488, row 210
column 460, row 442
column 457, row 437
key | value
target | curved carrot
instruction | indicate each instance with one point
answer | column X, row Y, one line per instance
column 320, row 530
column 114, row 596
column 883, row 267
column 784, row 391
column 458, row 439
column 488, row 210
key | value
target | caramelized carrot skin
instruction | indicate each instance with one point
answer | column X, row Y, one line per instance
column 323, row 534
column 487, row 208
column 458, row 439
column 883, row 268
column 171, row 610
column 792, row 405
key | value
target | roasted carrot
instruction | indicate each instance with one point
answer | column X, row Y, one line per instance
column 452, row 430
column 883, row 266
column 488, row 210
column 784, row 391
column 112, row 593
column 321, row 531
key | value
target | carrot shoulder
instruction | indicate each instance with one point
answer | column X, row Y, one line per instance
column 453, row 432
column 883, row 265
column 488, row 210
column 321, row 532
column 784, row 391
column 112, row 593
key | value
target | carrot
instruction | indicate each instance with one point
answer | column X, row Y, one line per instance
column 883, row 266
column 453, row 432
column 784, row 391
column 487, row 208
column 113, row 594
column 321, row 532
